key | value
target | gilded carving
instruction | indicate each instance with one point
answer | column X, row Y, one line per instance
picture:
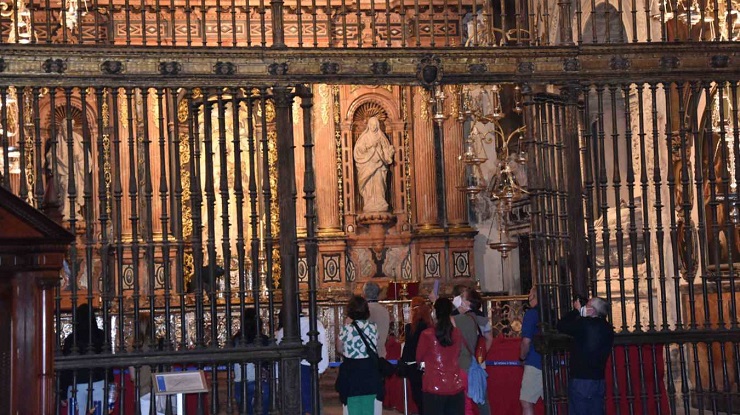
column 155, row 106
column 187, row 217
column 325, row 100
column 270, row 111
column 406, row 152
column 107, row 176
column 28, row 125
column 182, row 111
column 338, row 149
column 123, row 115
column 424, row 104
column 274, row 206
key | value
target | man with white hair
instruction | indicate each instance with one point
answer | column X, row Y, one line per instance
column 593, row 338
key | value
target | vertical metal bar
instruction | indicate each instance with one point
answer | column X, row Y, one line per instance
column 87, row 210
column 616, row 180
column 603, row 189
column 127, row 10
column 181, row 153
column 288, row 247
column 248, row 28
column 4, row 137
column 644, row 186
column 588, row 169
column 225, row 202
column 158, row 22
column 266, row 205
column 38, row 191
column 713, row 227
column 278, row 27
column 504, row 40
column 202, row 22
column 546, row 25
column 735, row 117
column 314, row 23
column 263, row 27
column 144, row 95
column 299, row 22
column 209, row 278
column 674, row 245
column 195, row 209
column 360, row 25
column 594, row 37
column 648, row 29
column 164, row 218
column 188, row 18
column 344, row 23
column 239, row 201
column 103, row 209
column 309, row 190
column 253, row 202
column 25, row 139
column 117, row 213
column 219, row 24
column 388, row 37
column 417, row 19
column 726, row 190
column 633, row 12
column 133, row 194
column 233, row 24
column 576, row 228
column 142, row 12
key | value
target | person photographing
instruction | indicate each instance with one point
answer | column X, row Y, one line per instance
column 593, row 337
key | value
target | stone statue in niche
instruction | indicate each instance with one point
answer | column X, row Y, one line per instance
column 373, row 154
column 63, row 169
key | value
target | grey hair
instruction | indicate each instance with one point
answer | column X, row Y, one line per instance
column 371, row 291
column 600, row 306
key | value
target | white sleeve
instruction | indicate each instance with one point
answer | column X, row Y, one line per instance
column 324, row 363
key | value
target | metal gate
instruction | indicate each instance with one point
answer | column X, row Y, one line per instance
column 651, row 166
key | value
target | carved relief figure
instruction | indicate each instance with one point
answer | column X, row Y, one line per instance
column 373, row 154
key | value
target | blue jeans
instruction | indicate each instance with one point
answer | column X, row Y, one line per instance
column 251, row 386
column 306, row 401
column 586, row 397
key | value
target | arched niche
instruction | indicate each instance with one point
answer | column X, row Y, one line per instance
column 360, row 117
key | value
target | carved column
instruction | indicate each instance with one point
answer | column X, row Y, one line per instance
column 457, row 212
column 290, row 377
column 425, row 192
column 324, row 124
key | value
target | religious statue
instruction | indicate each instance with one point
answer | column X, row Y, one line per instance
column 373, row 154
column 62, row 172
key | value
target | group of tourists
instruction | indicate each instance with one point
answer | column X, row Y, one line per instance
column 444, row 353
column 443, row 358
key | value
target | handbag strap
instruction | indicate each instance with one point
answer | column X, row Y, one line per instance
column 370, row 349
column 465, row 342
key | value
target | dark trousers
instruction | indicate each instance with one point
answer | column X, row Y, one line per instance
column 251, row 386
column 306, row 397
column 444, row 404
column 586, row 397
column 414, row 377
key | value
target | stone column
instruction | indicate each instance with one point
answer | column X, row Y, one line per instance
column 457, row 209
column 324, row 125
column 423, row 171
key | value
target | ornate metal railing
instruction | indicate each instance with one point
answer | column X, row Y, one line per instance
column 338, row 24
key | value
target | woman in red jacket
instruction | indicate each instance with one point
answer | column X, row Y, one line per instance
column 438, row 351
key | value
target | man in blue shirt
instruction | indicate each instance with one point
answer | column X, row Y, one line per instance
column 531, row 390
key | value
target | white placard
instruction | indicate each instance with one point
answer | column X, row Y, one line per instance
column 180, row 382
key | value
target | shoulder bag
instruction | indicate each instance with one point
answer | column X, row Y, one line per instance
column 385, row 367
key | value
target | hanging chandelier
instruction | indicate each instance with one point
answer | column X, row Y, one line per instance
column 482, row 110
